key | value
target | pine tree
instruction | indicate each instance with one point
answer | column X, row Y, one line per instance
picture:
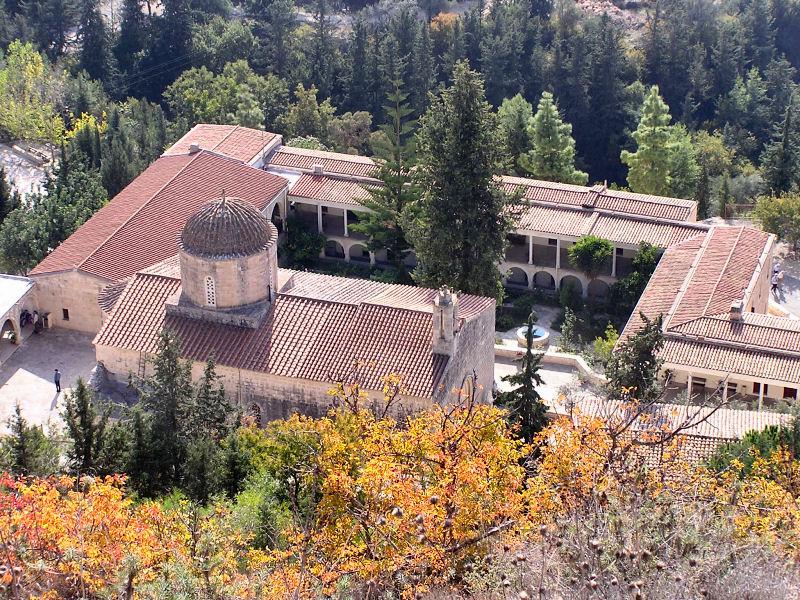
column 780, row 161
column 553, row 155
column 86, row 428
column 388, row 203
column 9, row 197
column 132, row 37
column 649, row 166
column 523, row 402
column 27, row 450
column 95, row 55
column 634, row 368
column 461, row 225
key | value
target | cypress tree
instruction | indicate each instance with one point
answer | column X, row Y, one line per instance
column 703, row 192
column 211, row 415
column 553, row 155
column 95, row 56
column 780, row 161
column 423, row 75
column 460, row 231
column 649, row 166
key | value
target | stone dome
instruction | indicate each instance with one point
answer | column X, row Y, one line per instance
column 227, row 228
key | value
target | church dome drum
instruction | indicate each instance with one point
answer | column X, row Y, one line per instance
column 228, row 256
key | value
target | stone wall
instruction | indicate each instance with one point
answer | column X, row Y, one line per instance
column 237, row 282
column 276, row 397
column 474, row 351
column 74, row 291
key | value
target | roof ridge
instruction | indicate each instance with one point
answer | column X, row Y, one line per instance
column 140, row 208
column 227, row 135
column 724, row 268
column 689, row 275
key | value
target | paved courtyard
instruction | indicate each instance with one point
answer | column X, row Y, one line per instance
column 26, row 377
column 555, row 377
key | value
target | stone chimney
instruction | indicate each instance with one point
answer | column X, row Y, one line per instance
column 737, row 308
column 317, row 169
column 194, row 148
column 445, row 316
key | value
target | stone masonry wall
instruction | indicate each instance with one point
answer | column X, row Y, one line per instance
column 72, row 290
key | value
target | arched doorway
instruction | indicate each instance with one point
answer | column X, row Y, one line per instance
column 9, row 334
column 543, row 280
column 573, row 281
column 334, row 249
column 359, row 253
column 598, row 290
column 517, row 277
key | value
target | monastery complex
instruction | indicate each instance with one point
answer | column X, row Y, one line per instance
column 191, row 245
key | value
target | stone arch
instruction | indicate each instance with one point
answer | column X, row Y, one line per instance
column 10, row 332
column 517, row 277
column 598, row 289
column 334, row 249
column 359, row 253
column 573, row 281
column 544, row 280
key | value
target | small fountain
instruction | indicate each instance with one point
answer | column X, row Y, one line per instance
column 540, row 336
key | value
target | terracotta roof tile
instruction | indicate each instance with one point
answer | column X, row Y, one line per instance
column 764, row 331
column 713, row 355
column 301, row 159
column 600, row 198
column 314, row 336
column 141, row 225
column 329, row 189
column 553, row 220
column 232, row 141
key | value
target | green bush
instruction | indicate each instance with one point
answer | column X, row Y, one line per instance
column 570, row 297
column 303, row 244
column 503, row 321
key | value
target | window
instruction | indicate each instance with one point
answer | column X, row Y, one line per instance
column 790, row 393
column 211, row 292
column 757, row 389
column 65, row 314
column 552, row 242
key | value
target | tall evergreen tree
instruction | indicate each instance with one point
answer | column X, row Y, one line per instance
column 86, row 428
column 357, row 66
column 515, row 116
column 95, row 56
column 523, row 401
column 9, row 197
column 553, row 155
column 780, row 161
column 389, row 203
column 634, row 368
column 120, row 163
column 211, row 415
column 323, row 52
column 131, row 39
column 703, row 192
column 27, row 450
column 649, row 166
column 423, row 74
column 461, row 226
column 167, row 397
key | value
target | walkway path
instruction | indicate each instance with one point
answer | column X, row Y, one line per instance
column 27, row 377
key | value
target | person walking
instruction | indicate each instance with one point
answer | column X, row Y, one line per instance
column 57, row 380
column 774, row 282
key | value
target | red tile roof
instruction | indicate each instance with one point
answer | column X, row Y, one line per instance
column 694, row 286
column 317, row 337
column 601, row 198
column 323, row 188
column 140, row 226
column 301, row 159
column 233, row 141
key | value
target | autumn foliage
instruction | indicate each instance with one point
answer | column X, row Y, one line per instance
column 363, row 505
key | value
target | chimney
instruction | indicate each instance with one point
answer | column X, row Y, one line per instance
column 194, row 148
column 737, row 308
column 317, row 169
column 445, row 315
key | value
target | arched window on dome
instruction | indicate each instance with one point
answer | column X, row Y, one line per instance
column 211, row 292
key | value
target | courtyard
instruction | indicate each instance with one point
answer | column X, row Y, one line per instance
column 26, row 377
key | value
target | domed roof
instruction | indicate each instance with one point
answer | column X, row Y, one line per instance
column 227, row 227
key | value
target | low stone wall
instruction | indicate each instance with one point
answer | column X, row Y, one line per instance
column 551, row 357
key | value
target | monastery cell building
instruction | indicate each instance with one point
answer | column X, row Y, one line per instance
column 173, row 250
